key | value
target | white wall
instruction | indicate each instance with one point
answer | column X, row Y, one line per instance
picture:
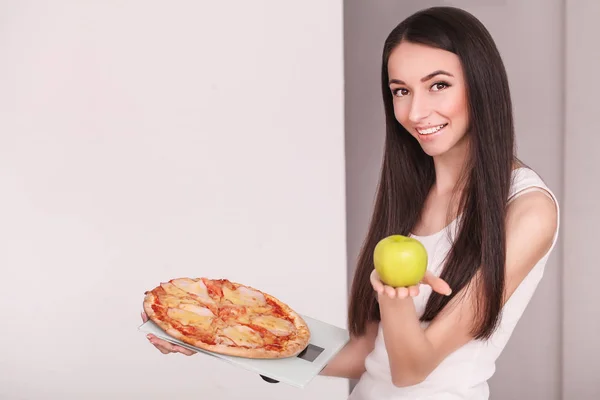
column 146, row 140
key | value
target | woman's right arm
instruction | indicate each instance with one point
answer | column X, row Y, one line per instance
column 350, row 361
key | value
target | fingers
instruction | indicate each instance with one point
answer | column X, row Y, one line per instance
column 376, row 282
column 437, row 284
column 183, row 350
column 404, row 292
column 400, row 292
column 390, row 291
column 162, row 349
column 161, row 345
column 165, row 347
column 413, row 291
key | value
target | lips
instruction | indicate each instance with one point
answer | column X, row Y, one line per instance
column 431, row 130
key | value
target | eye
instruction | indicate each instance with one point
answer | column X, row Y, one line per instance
column 400, row 92
column 436, row 87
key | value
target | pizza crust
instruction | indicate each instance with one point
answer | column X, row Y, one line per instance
column 293, row 346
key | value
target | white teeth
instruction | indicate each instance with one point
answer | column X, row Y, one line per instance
column 429, row 131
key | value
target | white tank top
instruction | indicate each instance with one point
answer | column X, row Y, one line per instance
column 464, row 373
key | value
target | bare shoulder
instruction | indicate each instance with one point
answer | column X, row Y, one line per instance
column 533, row 213
column 531, row 224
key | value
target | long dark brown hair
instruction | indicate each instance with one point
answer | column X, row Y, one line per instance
column 478, row 250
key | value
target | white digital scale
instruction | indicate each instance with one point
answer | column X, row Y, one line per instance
column 325, row 342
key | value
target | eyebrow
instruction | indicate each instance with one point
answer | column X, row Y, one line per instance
column 425, row 78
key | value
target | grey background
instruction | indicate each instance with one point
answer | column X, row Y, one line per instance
column 551, row 53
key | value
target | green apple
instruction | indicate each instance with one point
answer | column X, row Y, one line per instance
column 400, row 261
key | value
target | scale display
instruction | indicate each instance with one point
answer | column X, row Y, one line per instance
column 310, row 353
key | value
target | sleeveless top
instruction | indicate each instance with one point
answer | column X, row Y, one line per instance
column 464, row 373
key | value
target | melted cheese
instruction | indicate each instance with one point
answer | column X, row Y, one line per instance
column 196, row 309
column 197, row 288
column 168, row 300
column 173, row 290
column 190, row 318
column 224, row 340
column 236, row 315
column 243, row 336
column 244, row 296
column 276, row 326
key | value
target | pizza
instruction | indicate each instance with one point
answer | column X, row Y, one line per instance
column 226, row 318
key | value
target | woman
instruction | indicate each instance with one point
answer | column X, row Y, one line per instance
column 450, row 178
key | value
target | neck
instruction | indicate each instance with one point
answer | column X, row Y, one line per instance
column 448, row 168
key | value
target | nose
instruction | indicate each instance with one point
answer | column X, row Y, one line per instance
column 419, row 108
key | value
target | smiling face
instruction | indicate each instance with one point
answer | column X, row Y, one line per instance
column 429, row 96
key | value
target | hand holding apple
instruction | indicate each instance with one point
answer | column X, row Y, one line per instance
column 400, row 261
column 400, row 266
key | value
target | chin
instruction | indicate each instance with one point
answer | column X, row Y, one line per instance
column 433, row 151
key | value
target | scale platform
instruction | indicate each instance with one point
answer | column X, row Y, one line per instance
column 325, row 342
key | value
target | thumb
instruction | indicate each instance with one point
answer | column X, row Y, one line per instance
column 437, row 284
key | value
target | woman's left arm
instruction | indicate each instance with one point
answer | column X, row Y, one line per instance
column 415, row 352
